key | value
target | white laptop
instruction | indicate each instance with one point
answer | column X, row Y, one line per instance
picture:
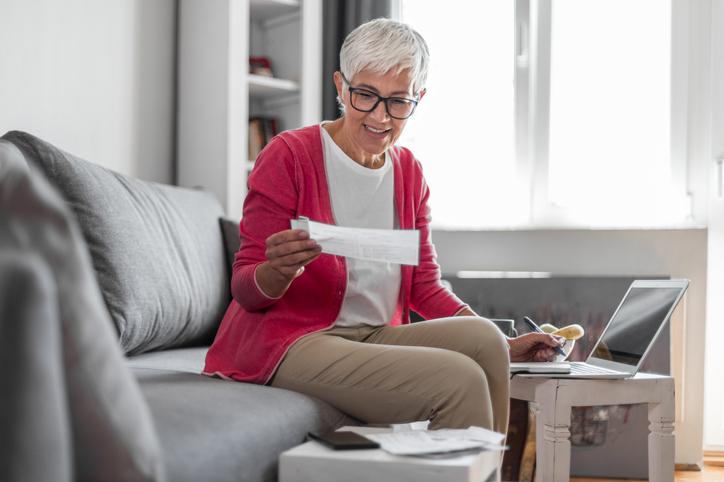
column 627, row 338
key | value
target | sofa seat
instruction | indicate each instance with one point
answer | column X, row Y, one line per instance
column 239, row 429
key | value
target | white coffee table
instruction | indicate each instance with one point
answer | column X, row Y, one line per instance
column 313, row 462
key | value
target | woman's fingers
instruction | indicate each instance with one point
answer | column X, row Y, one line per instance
column 290, row 250
column 549, row 354
column 535, row 347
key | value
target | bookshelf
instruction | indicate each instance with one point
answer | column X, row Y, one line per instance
column 217, row 95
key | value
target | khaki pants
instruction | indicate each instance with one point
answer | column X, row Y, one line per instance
column 452, row 371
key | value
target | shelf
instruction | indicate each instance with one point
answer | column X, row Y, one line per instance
column 263, row 10
column 264, row 87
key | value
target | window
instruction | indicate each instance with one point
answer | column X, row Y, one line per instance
column 554, row 113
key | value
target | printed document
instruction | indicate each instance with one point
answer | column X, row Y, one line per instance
column 400, row 246
column 439, row 442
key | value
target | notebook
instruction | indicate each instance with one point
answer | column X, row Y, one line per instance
column 627, row 338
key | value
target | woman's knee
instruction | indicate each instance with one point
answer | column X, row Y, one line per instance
column 462, row 394
column 455, row 373
column 484, row 337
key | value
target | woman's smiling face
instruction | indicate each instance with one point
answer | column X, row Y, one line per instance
column 369, row 134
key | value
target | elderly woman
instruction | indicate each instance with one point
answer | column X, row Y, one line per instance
column 338, row 328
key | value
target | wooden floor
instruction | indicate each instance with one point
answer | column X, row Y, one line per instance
column 713, row 471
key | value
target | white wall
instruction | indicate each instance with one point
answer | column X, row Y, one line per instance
column 679, row 253
column 94, row 78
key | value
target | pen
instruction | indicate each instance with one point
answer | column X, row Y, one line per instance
column 531, row 324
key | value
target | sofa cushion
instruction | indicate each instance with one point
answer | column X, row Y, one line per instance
column 232, row 241
column 157, row 250
column 188, row 360
column 252, row 425
column 93, row 398
column 214, row 429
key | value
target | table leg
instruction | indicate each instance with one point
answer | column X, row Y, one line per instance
column 661, row 441
column 553, row 423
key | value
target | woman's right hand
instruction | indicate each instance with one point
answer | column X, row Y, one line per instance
column 287, row 253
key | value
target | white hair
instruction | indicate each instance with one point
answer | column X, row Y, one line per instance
column 383, row 46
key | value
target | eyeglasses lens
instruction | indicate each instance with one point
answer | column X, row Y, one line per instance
column 397, row 107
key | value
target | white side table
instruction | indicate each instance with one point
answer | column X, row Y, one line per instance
column 313, row 462
column 555, row 397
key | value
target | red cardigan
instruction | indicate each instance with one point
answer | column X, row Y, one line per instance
column 289, row 181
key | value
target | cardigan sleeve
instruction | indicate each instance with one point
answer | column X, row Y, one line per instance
column 269, row 205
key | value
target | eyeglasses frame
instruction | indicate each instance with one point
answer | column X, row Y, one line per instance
column 380, row 99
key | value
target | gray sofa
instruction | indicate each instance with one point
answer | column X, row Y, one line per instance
column 111, row 291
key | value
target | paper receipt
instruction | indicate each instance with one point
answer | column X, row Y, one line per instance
column 386, row 245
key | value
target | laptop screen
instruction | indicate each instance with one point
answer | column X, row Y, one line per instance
column 636, row 324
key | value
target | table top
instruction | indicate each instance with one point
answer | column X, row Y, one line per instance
column 641, row 388
column 476, row 466
column 316, row 450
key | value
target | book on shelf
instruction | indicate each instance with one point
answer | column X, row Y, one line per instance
column 261, row 131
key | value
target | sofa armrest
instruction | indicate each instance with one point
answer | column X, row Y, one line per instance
column 36, row 435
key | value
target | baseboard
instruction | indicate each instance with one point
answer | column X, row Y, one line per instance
column 715, row 459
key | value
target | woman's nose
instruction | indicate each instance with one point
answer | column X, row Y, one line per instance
column 379, row 113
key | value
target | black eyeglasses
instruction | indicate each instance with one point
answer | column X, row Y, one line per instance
column 366, row 101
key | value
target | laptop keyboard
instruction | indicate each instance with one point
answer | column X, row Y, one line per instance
column 580, row 368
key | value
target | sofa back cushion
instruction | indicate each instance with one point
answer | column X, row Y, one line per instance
column 157, row 249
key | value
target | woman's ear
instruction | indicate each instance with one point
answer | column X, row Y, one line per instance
column 339, row 83
column 422, row 94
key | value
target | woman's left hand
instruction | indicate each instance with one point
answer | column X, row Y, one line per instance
column 534, row 347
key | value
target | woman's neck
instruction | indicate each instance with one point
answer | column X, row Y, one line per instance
column 336, row 131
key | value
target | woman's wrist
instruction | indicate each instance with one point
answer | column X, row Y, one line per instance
column 270, row 281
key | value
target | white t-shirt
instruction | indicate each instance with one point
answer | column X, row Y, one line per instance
column 364, row 198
